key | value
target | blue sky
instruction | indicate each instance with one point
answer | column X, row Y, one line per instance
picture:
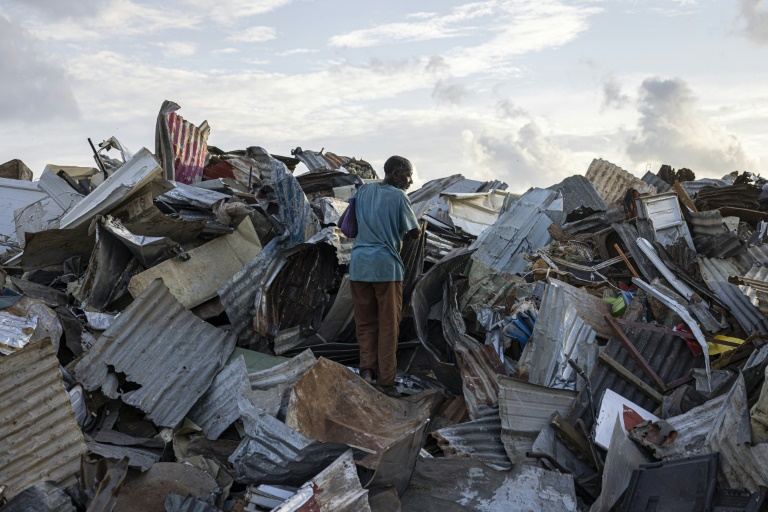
column 524, row 91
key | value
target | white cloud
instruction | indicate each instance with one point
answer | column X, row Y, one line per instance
column 228, row 11
column 449, row 93
column 672, row 130
column 613, row 97
column 225, row 51
column 297, row 51
column 31, row 88
column 755, row 15
column 257, row 34
column 177, row 49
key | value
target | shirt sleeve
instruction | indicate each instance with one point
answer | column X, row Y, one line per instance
column 408, row 219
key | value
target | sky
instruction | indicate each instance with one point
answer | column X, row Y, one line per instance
column 527, row 92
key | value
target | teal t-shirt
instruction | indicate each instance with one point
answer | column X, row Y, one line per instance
column 384, row 216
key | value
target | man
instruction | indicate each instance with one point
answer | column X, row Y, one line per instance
column 384, row 217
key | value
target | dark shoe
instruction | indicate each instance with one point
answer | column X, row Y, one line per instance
column 367, row 375
column 390, row 391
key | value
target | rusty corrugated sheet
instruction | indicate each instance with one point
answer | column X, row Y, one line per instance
column 480, row 368
column 39, row 436
column 612, row 182
column 334, row 161
column 480, row 439
column 171, row 354
column 180, row 146
column 716, row 273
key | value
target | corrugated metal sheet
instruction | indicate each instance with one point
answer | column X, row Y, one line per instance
column 480, row 439
column 334, row 161
column 707, row 223
column 579, row 197
column 166, row 350
column 590, row 308
column 667, row 355
column 138, row 458
column 280, row 379
column 122, row 184
column 180, row 146
column 295, row 214
column 640, row 261
column 716, row 273
column 559, row 335
column 756, row 287
column 480, row 367
column 744, row 195
column 521, row 229
column 335, row 489
column 693, row 187
column 217, row 408
column 595, row 222
column 612, row 182
column 525, row 409
column 425, row 198
column 39, row 436
column 312, row 159
column 273, row 453
column 655, row 181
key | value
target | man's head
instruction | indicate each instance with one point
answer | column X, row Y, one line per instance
column 398, row 172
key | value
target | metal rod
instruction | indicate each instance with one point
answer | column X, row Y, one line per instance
column 98, row 159
column 635, row 354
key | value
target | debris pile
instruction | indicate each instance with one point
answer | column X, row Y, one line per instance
column 176, row 334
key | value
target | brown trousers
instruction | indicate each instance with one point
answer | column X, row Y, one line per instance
column 378, row 307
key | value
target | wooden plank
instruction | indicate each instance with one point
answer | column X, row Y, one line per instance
column 683, row 195
column 633, row 352
column 632, row 378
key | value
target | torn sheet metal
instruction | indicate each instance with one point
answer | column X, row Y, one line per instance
column 341, row 313
column 312, row 159
column 467, row 485
column 14, row 195
column 59, row 190
column 522, row 229
column 148, row 250
column 336, row 489
column 755, row 286
column 559, row 335
column 217, row 409
column 480, row 438
column 329, row 209
column 623, row 458
column 716, row 273
column 46, row 322
column 181, row 147
column 329, row 184
column 121, row 185
column 730, row 434
column 273, row 453
column 55, row 246
column 333, row 236
column 282, row 377
column 165, row 350
column 183, row 195
column 104, row 280
column 38, row 216
column 138, row 457
column 663, row 211
column 295, row 216
column 612, row 182
column 330, row 403
column 480, row 368
column 525, row 409
column 197, row 279
column 580, row 199
column 473, row 213
column 294, row 288
column 655, row 181
column 398, row 461
column 591, row 309
column 39, row 437
column 650, row 252
column 425, row 198
column 15, row 331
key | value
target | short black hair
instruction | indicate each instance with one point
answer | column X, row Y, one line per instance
column 395, row 163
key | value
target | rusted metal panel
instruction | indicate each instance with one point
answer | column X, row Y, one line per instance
column 481, row 439
column 164, row 349
column 39, row 436
column 612, row 182
column 480, row 368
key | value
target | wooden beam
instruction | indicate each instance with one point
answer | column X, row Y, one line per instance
column 632, row 378
column 683, row 195
column 635, row 354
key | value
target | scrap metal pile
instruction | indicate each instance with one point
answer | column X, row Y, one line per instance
column 177, row 334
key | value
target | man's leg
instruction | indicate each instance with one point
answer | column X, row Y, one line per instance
column 366, row 322
column 390, row 299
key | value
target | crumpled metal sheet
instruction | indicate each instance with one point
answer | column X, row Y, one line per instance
column 121, row 185
column 480, row 368
column 559, row 334
column 183, row 195
column 329, row 209
column 15, row 331
column 655, row 181
column 330, row 403
column 180, row 146
column 39, row 437
column 54, row 246
column 274, row 453
column 334, row 237
column 523, row 228
column 525, row 409
column 295, row 215
column 149, row 250
column 138, row 457
column 282, row 377
column 467, row 485
column 48, row 326
column 42, row 497
column 730, row 434
column 480, row 438
column 217, row 409
column 716, row 273
column 336, row 489
column 166, row 350
column 473, row 213
column 580, row 199
column 103, row 281
column 398, row 461
column 642, row 264
column 177, row 503
column 612, row 182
